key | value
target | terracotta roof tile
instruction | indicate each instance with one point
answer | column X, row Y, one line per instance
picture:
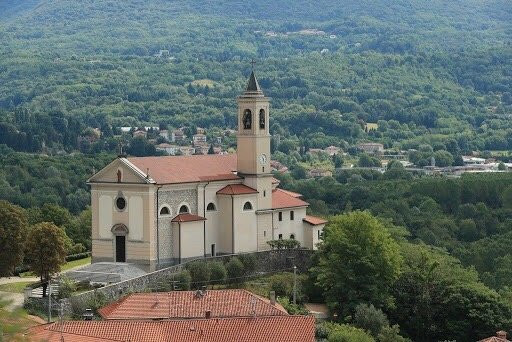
column 186, row 304
column 187, row 169
column 237, row 189
column 240, row 329
column 313, row 220
column 282, row 199
column 291, row 193
column 187, row 218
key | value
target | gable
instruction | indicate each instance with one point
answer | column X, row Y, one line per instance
column 129, row 173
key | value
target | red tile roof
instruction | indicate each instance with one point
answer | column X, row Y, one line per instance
column 240, row 329
column 494, row 339
column 186, row 304
column 187, row 169
column 237, row 189
column 188, row 218
column 282, row 199
column 313, row 220
column 291, row 193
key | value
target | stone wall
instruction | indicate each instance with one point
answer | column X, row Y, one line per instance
column 266, row 262
column 172, row 199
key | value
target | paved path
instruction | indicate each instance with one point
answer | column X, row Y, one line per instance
column 9, row 280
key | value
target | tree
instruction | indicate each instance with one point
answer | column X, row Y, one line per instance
column 183, row 280
column 13, row 230
column 235, row 270
column 210, row 150
column 348, row 333
column 79, row 229
column 371, row 262
column 366, row 160
column 438, row 299
column 56, row 214
column 370, row 319
column 199, row 273
column 46, row 250
column 218, row 272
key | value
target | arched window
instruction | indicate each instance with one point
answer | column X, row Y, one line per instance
column 210, row 207
column 262, row 119
column 247, row 206
column 247, row 119
column 292, row 236
column 165, row 211
column 184, row 209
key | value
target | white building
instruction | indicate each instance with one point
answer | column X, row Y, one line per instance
column 155, row 211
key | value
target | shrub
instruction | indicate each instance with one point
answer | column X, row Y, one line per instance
column 391, row 334
column 66, row 287
column 348, row 333
column 371, row 319
column 249, row 262
column 283, row 244
column 282, row 284
column 183, row 280
column 292, row 309
column 218, row 272
column 199, row 273
column 235, row 270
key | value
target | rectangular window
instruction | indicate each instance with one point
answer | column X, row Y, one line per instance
column 213, row 250
column 264, row 233
column 319, row 234
column 280, row 236
column 292, row 215
column 264, row 193
column 280, row 216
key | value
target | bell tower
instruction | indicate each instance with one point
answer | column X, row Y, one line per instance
column 253, row 140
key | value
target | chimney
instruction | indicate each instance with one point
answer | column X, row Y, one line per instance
column 208, row 314
column 502, row 334
column 273, row 297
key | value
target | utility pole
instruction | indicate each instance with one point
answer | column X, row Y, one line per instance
column 49, row 301
column 294, row 284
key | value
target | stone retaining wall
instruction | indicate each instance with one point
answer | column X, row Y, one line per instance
column 266, row 262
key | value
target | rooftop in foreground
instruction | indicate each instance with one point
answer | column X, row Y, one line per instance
column 191, row 304
column 240, row 329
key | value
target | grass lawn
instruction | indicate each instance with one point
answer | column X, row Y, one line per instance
column 13, row 324
column 66, row 266
column 15, row 287
column 76, row 263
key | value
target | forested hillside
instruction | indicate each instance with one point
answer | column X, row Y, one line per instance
column 433, row 79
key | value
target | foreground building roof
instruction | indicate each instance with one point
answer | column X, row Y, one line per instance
column 240, row 329
column 190, row 304
column 187, row 169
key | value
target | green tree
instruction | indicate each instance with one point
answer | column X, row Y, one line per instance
column 79, row 229
column 183, row 280
column 235, row 270
column 13, row 230
column 370, row 319
column 56, row 214
column 199, row 273
column 348, row 333
column 218, row 272
column 46, row 250
column 366, row 160
column 371, row 262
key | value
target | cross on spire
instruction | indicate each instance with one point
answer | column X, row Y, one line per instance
column 252, row 63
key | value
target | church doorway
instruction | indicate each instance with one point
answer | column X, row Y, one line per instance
column 213, row 250
column 120, row 248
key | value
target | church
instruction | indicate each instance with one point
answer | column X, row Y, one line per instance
column 159, row 211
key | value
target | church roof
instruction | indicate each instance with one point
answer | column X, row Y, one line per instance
column 313, row 220
column 282, row 199
column 237, row 189
column 186, row 217
column 253, row 84
column 187, row 169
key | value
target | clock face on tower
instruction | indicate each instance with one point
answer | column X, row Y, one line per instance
column 263, row 159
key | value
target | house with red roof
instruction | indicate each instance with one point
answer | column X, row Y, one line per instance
column 159, row 211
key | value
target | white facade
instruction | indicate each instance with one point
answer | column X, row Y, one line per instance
column 156, row 211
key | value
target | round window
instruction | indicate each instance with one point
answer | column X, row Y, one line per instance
column 120, row 203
